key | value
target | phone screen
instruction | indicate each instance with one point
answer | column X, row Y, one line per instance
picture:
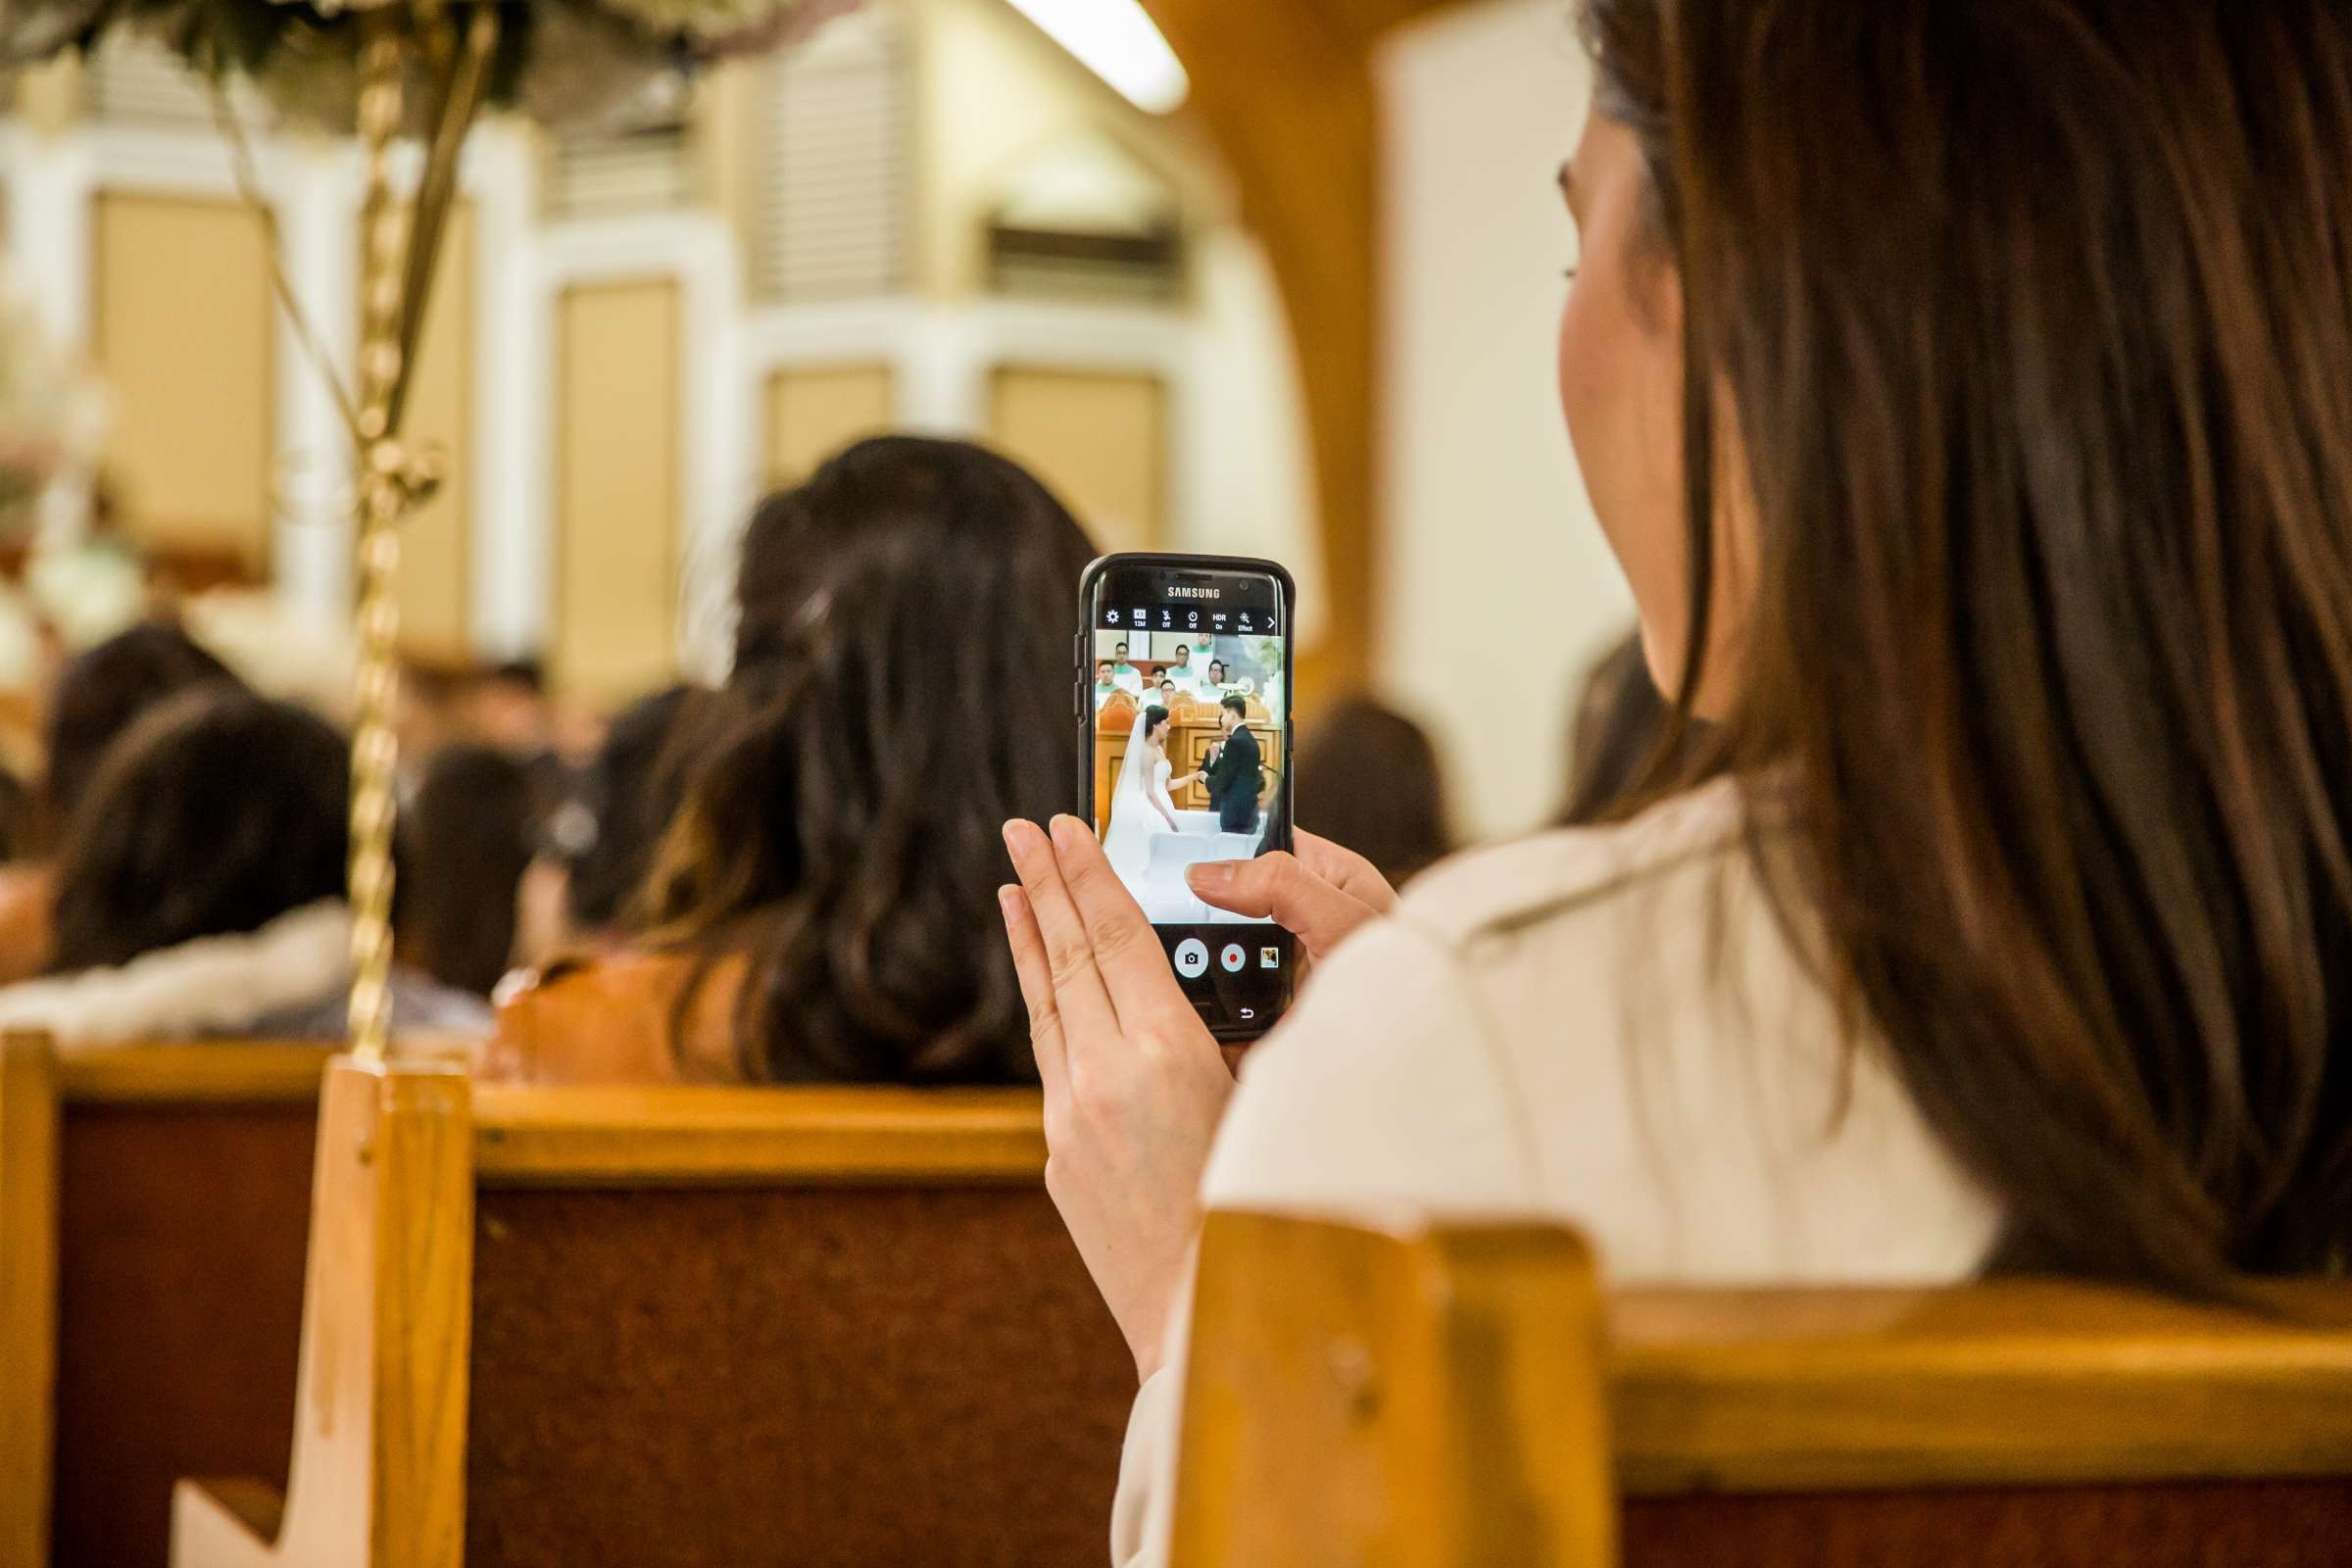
column 1184, row 687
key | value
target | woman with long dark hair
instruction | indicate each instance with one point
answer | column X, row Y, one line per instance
column 200, row 887
column 1964, row 391
column 99, row 694
column 823, row 908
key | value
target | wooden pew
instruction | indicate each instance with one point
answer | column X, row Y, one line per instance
column 152, row 1204
column 684, row 1326
column 1459, row 1395
column 29, row 1118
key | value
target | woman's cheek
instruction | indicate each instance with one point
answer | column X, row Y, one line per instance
column 1621, row 400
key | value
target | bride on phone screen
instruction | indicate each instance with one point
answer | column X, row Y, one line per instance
column 1142, row 794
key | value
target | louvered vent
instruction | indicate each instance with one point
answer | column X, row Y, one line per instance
column 135, row 81
column 1120, row 268
column 833, row 215
column 620, row 174
column 1086, row 218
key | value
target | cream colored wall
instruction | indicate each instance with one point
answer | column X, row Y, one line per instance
column 1098, row 440
column 813, row 412
column 617, row 458
column 437, row 539
column 184, row 331
column 993, row 90
column 1496, row 587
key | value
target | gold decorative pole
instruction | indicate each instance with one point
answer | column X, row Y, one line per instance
column 383, row 497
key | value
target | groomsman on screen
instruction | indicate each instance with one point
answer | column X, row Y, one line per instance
column 1182, row 672
column 1123, row 672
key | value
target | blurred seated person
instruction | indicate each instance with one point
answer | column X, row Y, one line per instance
column 1613, row 739
column 1106, row 685
column 1367, row 776
column 1124, row 673
column 200, row 888
column 473, row 827
column 583, row 893
column 508, row 708
column 1214, row 682
column 99, row 693
column 1169, row 692
column 824, row 903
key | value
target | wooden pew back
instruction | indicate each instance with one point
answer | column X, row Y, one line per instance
column 1436, row 1396
column 811, row 1326
column 28, row 1117
column 721, row 1326
column 179, row 1180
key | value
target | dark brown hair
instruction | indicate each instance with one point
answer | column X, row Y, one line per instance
column 468, row 839
column 902, row 688
column 98, row 695
column 1368, row 777
column 215, row 813
column 2037, row 326
column 624, row 800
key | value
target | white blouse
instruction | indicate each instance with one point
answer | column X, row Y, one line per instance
column 1607, row 1027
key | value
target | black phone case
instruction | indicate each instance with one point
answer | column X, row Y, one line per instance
column 1289, row 685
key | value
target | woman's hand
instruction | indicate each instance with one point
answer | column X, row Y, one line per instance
column 1133, row 1082
column 1320, row 895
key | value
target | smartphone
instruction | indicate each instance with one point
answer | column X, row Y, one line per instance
column 1183, row 695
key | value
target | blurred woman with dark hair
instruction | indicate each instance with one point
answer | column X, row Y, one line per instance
column 200, row 887
column 99, row 694
column 824, row 903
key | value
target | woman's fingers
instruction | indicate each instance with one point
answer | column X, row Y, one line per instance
column 1346, row 870
column 1127, row 951
column 1035, row 971
column 1080, row 999
column 1277, row 887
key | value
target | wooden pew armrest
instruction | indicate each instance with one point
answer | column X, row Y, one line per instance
column 225, row 1524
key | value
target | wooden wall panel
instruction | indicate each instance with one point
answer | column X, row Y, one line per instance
column 1098, row 440
column 813, row 412
column 185, row 331
column 618, row 504
column 437, row 539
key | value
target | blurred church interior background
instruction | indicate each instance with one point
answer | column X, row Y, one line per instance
column 933, row 215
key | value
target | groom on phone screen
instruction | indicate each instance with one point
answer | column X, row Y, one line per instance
column 1234, row 775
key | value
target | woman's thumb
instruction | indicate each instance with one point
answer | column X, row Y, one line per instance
column 1276, row 887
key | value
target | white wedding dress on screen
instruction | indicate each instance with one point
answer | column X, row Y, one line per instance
column 1127, row 841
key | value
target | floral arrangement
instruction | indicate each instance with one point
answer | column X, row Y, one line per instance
column 563, row 62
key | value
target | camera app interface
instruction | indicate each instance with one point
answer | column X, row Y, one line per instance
column 1189, row 753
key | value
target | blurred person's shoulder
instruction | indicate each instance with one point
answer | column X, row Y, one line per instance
column 1478, row 900
column 620, row 1018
